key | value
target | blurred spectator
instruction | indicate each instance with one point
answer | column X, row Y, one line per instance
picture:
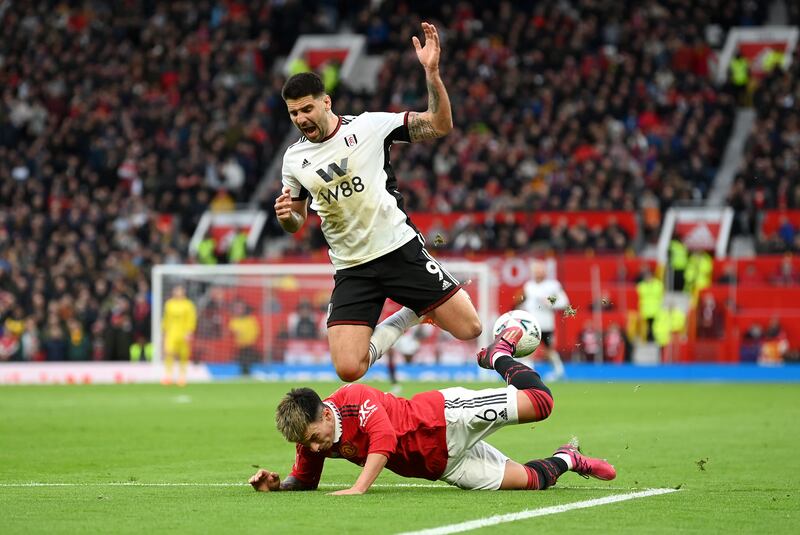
column 209, row 322
column 699, row 272
column 222, row 202
column 710, row 318
column 616, row 237
column 9, row 345
column 650, row 291
column 740, row 77
column 246, row 331
column 669, row 328
column 31, row 344
column 786, row 275
column 542, row 232
column 590, row 342
column 207, row 251
column 786, row 231
column 728, row 275
column 775, row 344
column 615, row 345
column 79, row 347
column 141, row 317
column 750, row 349
column 237, row 249
column 119, row 331
column 304, row 323
column 55, row 340
column 406, row 347
column 678, row 261
column 467, row 236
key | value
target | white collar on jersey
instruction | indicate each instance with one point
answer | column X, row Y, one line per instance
column 337, row 418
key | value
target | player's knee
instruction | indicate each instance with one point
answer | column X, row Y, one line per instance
column 475, row 328
column 541, row 404
column 547, row 404
column 469, row 330
column 349, row 372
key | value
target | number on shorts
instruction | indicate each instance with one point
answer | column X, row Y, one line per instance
column 433, row 269
column 489, row 415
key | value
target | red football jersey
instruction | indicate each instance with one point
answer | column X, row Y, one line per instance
column 410, row 432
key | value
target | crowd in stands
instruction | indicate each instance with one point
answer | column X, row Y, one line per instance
column 121, row 123
column 559, row 105
column 500, row 233
column 770, row 176
column 504, row 233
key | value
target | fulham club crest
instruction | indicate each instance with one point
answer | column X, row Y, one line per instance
column 351, row 140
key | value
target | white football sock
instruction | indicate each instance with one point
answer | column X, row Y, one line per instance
column 558, row 366
column 566, row 458
column 388, row 331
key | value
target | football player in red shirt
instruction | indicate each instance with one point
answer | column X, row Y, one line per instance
column 436, row 435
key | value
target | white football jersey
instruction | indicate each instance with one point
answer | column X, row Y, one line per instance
column 352, row 186
column 539, row 301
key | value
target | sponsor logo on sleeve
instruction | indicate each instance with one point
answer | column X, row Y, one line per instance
column 365, row 411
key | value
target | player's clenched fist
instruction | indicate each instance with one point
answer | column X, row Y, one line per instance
column 283, row 205
column 266, row 481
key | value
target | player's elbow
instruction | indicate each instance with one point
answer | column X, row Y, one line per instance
column 445, row 127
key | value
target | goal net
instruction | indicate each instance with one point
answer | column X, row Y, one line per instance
column 276, row 313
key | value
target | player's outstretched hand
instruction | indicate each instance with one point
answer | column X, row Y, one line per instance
column 347, row 492
column 283, row 205
column 429, row 54
column 266, row 481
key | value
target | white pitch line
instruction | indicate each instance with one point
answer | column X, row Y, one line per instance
column 31, row 484
column 121, row 484
column 324, row 485
column 531, row 513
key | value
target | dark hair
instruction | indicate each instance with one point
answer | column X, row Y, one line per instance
column 298, row 408
column 301, row 85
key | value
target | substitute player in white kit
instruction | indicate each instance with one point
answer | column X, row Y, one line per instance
column 342, row 164
column 543, row 296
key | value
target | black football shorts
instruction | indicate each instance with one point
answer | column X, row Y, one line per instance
column 548, row 340
column 408, row 276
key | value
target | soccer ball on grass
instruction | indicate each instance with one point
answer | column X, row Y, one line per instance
column 531, row 332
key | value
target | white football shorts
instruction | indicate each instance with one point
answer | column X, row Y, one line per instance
column 471, row 416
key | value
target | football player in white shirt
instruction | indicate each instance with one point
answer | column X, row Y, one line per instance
column 542, row 296
column 342, row 164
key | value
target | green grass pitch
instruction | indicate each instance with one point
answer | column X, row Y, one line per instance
column 731, row 448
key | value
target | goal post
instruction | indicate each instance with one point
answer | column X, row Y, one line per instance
column 276, row 312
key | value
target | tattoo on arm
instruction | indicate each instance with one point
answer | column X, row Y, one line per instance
column 433, row 98
column 420, row 128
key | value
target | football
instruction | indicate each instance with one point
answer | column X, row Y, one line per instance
column 532, row 333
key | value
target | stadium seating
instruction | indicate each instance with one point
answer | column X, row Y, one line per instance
column 769, row 180
column 124, row 123
column 546, row 123
column 118, row 129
